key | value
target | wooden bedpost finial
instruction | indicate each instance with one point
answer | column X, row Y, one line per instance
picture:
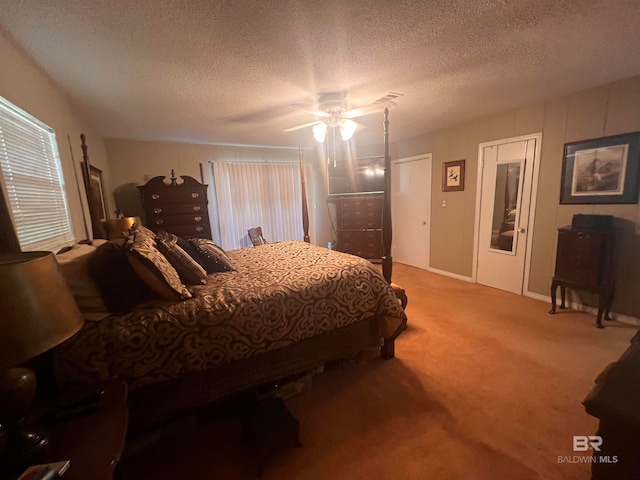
column 305, row 208
column 83, row 139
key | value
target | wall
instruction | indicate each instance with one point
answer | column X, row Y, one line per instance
column 25, row 85
column 134, row 162
column 606, row 110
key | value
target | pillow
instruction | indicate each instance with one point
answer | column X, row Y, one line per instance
column 152, row 267
column 98, row 242
column 188, row 269
column 143, row 232
column 74, row 265
column 119, row 284
column 213, row 257
column 192, row 251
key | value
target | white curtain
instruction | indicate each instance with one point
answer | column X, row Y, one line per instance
column 256, row 194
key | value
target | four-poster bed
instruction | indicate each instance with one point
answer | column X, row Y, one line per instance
column 284, row 309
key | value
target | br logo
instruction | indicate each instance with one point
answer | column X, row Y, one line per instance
column 582, row 443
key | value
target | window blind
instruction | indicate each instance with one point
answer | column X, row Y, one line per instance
column 33, row 181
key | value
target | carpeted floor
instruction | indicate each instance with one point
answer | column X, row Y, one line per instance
column 485, row 385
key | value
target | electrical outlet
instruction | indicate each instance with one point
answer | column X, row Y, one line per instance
column 444, row 203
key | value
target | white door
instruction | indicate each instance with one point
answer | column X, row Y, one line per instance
column 506, row 174
column 410, row 210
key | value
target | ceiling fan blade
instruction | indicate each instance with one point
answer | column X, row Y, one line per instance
column 307, row 109
column 369, row 109
column 387, row 101
column 298, row 127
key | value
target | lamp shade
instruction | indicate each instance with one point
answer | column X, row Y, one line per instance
column 37, row 310
column 347, row 129
column 320, row 131
column 115, row 226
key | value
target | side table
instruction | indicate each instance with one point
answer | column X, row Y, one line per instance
column 585, row 261
column 93, row 442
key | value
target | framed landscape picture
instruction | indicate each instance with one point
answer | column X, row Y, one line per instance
column 453, row 176
column 601, row 170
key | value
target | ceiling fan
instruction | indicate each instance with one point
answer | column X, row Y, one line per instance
column 332, row 112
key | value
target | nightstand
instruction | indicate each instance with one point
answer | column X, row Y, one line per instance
column 93, row 442
column 585, row 260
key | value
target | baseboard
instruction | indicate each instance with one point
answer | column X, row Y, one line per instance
column 449, row 274
column 619, row 317
column 538, row 296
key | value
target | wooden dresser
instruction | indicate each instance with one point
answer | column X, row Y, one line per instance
column 615, row 401
column 359, row 225
column 178, row 207
column 585, row 260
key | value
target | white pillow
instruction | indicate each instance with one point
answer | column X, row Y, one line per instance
column 74, row 266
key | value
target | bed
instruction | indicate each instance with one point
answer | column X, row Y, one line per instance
column 284, row 309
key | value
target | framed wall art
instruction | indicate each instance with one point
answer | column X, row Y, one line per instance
column 95, row 193
column 453, row 176
column 601, row 170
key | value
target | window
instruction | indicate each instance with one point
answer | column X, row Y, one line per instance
column 249, row 195
column 32, row 181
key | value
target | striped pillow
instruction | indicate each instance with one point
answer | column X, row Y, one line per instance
column 188, row 268
column 152, row 266
column 212, row 256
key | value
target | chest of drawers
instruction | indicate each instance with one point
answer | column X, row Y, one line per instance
column 585, row 260
column 359, row 225
column 178, row 207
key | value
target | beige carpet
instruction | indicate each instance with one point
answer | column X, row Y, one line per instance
column 485, row 385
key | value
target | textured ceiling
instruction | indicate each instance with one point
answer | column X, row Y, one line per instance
column 239, row 71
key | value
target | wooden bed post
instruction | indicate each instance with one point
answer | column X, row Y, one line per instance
column 387, row 234
column 305, row 209
column 93, row 197
column 387, row 350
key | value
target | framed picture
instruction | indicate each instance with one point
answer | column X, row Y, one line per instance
column 601, row 170
column 95, row 193
column 453, row 176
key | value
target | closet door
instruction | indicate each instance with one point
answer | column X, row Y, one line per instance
column 411, row 210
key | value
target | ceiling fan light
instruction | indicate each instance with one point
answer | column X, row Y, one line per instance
column 347, row 129
column 320, row 131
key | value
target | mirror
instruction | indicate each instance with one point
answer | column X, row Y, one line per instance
column 505, row 206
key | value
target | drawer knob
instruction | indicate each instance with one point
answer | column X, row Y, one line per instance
column 155, row 196
column 157, row 210
column 195, row 195
column 159, row 221
column 199, row 229
column 196, row 208
column 197, row 219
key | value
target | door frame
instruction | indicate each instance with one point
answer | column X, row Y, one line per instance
column 429, row 159
column 532, row 209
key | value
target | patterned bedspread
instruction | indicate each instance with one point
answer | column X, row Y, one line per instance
column 280, row 293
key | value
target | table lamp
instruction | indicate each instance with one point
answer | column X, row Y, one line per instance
column 37, row 312
column 116, row 226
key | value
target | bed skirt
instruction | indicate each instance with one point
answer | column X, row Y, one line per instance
column 186, row 394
